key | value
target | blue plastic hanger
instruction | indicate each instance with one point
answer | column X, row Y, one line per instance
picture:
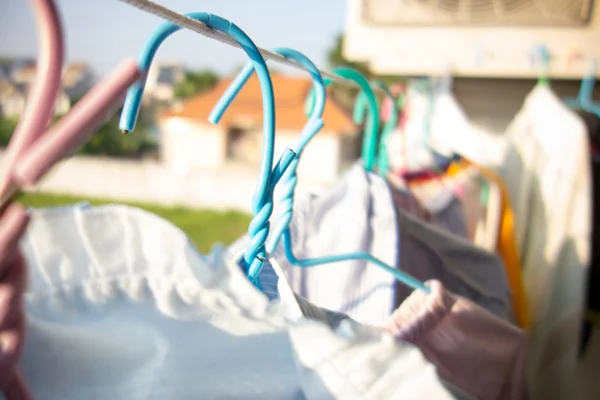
column 262, row 202
column 382, row 161
column 584, row 97
column 369, row 146
column 314, row 124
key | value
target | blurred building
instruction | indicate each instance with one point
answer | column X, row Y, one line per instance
column 77, row 79
column 162, row 79
column 18, row 75
column 486, row 45
column 13, row 97
column 189, row 140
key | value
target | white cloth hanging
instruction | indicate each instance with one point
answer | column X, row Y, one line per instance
column 356, row 215
column 547, row 172
column 543, row 159
column 122, row 306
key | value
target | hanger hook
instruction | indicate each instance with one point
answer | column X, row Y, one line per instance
column 369, row 148
column 382, row 159
column 262, row 202
column 314, row 124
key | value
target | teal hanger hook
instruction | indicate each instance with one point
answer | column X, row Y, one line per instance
column 541, row 54
column 262, row 202
column 290, row 181
column 288, row 202
column 369, row 147
column 312, row 127
column 382, row 160
column 586, row 91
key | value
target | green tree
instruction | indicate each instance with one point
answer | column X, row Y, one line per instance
column 109, row 140
column 194, row 83
column 7, row 126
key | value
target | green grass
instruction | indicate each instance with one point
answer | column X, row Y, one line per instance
column 204, row 227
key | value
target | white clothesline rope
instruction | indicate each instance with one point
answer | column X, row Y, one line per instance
column 203, row 29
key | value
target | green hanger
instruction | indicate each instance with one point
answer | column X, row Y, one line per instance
column 369, row 147
column 382, row 160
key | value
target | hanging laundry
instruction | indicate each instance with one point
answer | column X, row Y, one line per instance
column 479, row 352
column 355, row 215
column 405, row 200
column 480, row 200
column 438, row 197
column 547, row 172
column 505, row 242
column 428, row 252
column 119, row 297
column 592, row 123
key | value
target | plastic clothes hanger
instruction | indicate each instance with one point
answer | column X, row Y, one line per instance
column 262, row 202
column 68, row 134
column 382, row 160
column 369, row 147
column 368, row 157
column 313, row 125
column 311, row 128
column 584, row 97
column 30, row 154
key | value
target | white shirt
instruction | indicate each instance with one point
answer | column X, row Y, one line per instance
column 544, row 161
column 547, row 172
column 121, row 306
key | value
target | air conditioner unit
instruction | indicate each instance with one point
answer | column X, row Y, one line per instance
column 481, row 38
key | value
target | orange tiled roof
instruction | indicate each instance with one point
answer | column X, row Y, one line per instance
column 290, row 94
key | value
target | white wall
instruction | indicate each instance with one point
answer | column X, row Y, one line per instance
column 320, row 160
column 185, row 144
column 151, row 182
column 404, row 50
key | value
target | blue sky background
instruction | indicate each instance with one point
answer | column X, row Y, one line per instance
column 103, row 32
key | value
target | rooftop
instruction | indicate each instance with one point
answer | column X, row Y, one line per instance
column 290, row 95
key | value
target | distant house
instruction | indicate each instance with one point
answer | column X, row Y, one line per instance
column 162, row 79
column 17, row 76
column 13, row 97
column 188, row 140
column 77, row 79
column 24, row 72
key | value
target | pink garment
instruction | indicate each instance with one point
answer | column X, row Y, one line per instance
column 475, row 350
column 405, row 200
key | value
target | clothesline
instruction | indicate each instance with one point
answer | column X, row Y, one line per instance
column 203, row 29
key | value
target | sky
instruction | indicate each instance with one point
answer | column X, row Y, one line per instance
column 104, row 32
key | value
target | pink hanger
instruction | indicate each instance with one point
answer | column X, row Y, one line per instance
column 31, row 153
column 386, row 107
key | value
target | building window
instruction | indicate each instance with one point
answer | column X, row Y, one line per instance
column 244, row 145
